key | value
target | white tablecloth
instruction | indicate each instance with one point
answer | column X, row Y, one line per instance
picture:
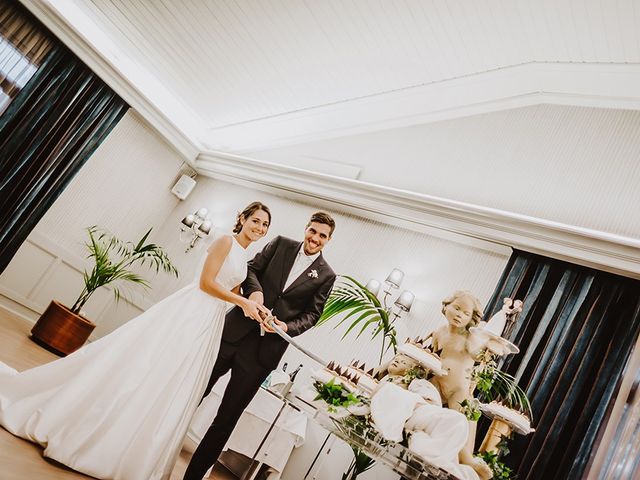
column 288, row 433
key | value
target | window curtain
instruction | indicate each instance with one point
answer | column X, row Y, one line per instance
column 50, row 127
column 22, row 50
column 575, row 334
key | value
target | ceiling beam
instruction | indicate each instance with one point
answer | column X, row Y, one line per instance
column 589, row 85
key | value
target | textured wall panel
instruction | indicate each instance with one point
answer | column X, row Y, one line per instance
column 123, row 187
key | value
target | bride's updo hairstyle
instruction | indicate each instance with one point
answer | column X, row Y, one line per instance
column 249, row 210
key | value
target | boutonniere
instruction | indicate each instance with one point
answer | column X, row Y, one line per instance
column 313, row 274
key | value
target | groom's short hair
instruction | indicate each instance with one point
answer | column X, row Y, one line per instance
column 322, row 217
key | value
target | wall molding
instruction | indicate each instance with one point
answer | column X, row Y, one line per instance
column 602, row 250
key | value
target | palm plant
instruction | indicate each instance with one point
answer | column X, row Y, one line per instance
column 504, row 389
column 495, row 385
column 357, row 429
column 113, row 261
column 361, row 463
column 363, row 307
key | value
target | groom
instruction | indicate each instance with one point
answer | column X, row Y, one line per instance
column 293, row 280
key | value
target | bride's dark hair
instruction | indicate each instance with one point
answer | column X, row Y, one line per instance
column 249, row 210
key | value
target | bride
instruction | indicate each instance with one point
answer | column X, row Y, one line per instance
column 119, row 407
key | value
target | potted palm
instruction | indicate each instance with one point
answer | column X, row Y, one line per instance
column 63, row 330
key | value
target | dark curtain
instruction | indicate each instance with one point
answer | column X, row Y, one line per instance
column 49, row 130
column 575, row 334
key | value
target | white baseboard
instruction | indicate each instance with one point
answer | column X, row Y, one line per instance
column 18, row 310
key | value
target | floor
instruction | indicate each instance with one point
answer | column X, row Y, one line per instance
column 21, row 460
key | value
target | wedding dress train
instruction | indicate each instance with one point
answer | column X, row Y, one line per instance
column 119, row 407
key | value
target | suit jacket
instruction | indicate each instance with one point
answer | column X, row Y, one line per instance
column 299, row 306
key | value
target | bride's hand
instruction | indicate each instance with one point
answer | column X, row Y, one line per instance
column 252, row 310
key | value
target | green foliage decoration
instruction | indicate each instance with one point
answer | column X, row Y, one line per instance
column 361, row 463
column 495, row 385
column 418, row 372
column 363, row 308
column 471, row 410
column 499, row 469
column 360, row 427
column 335, row 395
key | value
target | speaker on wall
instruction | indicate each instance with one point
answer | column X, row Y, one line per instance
column 183, row 187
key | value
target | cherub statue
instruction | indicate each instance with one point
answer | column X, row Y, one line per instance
column 416, row 382
column 459, row 348
column 401, row 370
column 406, row 401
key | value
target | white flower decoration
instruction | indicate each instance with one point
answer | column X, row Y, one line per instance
column 313, row 274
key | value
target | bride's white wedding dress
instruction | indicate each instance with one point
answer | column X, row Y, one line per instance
column 119, row 407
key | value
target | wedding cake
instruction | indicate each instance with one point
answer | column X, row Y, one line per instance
column 366, row 380
column 339, row 375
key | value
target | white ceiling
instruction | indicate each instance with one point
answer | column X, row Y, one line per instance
column 346, row 87
column 242, row 75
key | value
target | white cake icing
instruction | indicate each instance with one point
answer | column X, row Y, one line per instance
column 426, row 359
column 367, row 383
column 324, row 376
column 515, row 419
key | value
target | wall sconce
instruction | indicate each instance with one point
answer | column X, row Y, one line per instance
column 402, row 303
column 194, row 227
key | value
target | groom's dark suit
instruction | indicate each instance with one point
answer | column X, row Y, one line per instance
column 251, row 357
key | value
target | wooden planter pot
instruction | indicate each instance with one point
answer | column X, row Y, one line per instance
column 61, row 331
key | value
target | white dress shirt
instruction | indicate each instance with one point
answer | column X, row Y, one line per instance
column 300, row 265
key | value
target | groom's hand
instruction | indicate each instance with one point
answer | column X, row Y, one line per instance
column 263, row 312
column 283, row 326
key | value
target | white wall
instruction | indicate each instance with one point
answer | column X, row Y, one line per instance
column 124, row 187
column 434, row 267
column 573, row 165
